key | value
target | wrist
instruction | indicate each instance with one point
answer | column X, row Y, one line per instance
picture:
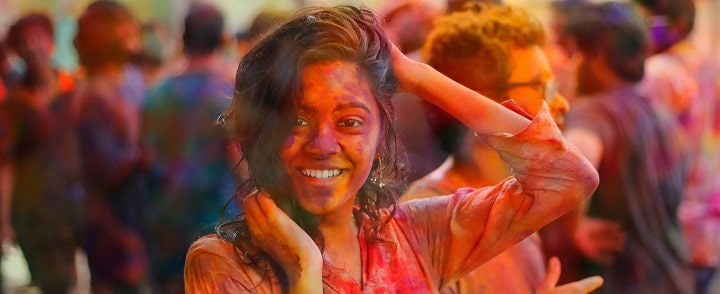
column 407, row 72
column 307, row 278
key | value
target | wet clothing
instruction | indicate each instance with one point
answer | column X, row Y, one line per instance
column 430, row 243
column 642, row 176
column 518, row 269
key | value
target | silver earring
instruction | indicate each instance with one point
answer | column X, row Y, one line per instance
column 377, row 174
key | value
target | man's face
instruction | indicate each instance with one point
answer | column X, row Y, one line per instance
column 532, row 81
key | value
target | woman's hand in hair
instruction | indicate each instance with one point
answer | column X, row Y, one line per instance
column 547, row 286
column 285, row 242
column 479, row 113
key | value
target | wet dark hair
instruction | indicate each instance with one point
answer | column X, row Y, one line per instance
column 268, row 88
column 614, row 29
column 203, row 29
column 15, row 33
column 96, row 41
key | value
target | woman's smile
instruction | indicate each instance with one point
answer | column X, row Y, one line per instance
column 321, row 174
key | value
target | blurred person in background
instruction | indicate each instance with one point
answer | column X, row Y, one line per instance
column 41, row 180
column 508, row 64
column 263, row 21
column 108, row 121
column 561, row 60
column 151, row 59
column 638, row 151
column 687, row 82
column 191, row 158
column 8, row 74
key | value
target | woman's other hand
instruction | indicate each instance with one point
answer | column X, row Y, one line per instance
column 280, row 237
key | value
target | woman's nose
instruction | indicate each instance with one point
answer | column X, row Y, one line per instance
column 323, row 143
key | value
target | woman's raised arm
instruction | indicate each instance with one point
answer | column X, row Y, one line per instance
column 479, row 113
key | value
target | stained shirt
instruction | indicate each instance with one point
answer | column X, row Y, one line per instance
column 642, row 176
column 433, row 242
column 518, row 269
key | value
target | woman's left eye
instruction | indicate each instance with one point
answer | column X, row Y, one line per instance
column 350, row 123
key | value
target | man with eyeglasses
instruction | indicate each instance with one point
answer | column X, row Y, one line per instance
column 497, row 51
column 636, row 148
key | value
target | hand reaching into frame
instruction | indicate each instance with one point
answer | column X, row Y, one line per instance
column 547, row 286
column 276, row 234
column 599, row 239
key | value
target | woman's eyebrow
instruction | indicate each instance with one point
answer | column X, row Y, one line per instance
column 352, row 104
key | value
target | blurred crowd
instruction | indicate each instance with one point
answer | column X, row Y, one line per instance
column 129, row 160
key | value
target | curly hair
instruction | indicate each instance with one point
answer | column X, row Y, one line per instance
column 267, row 91
column 473, row 48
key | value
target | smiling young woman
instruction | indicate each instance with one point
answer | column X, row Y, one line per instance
column 313, row 119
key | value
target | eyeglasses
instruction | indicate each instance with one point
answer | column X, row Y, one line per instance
column 549, row 88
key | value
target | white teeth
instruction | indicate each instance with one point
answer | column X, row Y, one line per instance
column 321, row 174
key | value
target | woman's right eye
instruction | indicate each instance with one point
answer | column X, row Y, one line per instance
column 301, row 122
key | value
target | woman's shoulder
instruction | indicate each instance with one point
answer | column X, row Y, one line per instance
column 212, row 244
column 214, row 265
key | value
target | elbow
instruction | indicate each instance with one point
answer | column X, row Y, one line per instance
column 587, row 181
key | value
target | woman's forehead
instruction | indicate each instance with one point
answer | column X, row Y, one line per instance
column 336, row 84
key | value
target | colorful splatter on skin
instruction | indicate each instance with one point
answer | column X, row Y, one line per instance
column 329, row 152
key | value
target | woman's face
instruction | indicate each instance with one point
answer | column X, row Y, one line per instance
column 329, row 152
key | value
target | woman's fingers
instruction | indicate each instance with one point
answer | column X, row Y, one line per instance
column 251, row 207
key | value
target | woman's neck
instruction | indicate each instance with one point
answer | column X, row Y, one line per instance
column 339, row 223
column 341, row 246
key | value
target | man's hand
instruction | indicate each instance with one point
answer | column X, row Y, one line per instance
column 547, row 286
column 599, row 239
